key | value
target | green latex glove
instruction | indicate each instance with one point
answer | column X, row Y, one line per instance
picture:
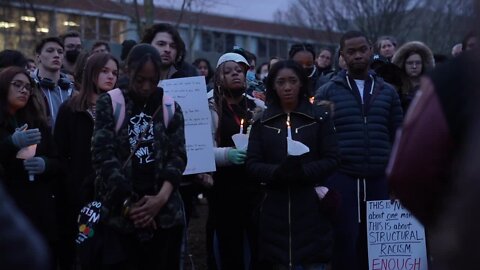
column 236, row 156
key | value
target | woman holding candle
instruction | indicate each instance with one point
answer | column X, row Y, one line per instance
column 231, row 201
column 293, row 223
column 22, row 124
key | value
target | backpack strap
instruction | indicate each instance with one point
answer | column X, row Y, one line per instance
column 118, row 106
column 168, row 105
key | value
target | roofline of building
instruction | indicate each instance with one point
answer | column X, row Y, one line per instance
column 115, row 10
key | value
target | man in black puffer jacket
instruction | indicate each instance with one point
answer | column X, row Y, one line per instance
column 367, row 114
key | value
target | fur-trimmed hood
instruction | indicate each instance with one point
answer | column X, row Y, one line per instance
column 422, row 49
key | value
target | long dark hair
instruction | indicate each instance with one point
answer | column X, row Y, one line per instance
column 79, row 68
column 271, row 96
column 197, row 62
column 94, row 66
column 33, row 113
column 219, row 91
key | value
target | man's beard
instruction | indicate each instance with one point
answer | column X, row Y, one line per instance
column 166, row 66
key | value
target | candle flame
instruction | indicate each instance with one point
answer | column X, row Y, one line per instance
column 241, row 122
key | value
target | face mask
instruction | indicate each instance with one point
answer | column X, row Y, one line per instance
column 250, row 76
column 72, row 55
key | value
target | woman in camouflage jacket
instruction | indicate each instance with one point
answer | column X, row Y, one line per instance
column 140, row 199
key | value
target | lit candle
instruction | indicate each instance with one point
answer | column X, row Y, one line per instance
column 289, row 130
column 241, row 126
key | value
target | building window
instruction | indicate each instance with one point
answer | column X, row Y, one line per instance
column 206, row 41
column 218, row 42
column 272, row 48
column 118, row 31
column 262, row 47
column 21, row 29
column 90, row 27
column 67, row 22
column 104, row 29
column 43, row 24
column 229, row 41
column 282, row 49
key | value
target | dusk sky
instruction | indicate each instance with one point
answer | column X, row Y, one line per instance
column 249, row 9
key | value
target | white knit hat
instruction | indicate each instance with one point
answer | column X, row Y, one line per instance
column 235, row 57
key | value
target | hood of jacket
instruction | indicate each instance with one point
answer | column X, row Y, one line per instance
column 400, row 56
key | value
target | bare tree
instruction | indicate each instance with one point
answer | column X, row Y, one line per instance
column 149, row 9
column 194, row 9
column 402, row 18
column 190, row 14
column 447, row 25
column 374, row 17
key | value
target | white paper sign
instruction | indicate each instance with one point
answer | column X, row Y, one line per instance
column 396, row 240
column 191, row 95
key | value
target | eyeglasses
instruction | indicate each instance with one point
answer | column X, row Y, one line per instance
column 19, row 86
column 411, row 63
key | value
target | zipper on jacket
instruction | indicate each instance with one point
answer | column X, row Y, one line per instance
column 297, row 129
column 366, row 139
column 277, row 129
column 290, row 265
column 365, row 120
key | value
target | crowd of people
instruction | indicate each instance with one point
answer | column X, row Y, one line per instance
column 79, row 126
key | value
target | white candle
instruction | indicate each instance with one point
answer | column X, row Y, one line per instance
column 241, row 126
column 289, row 130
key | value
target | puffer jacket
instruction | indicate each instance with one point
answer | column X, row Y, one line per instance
column 402, row 53
column 365, row 132
column 292, row 227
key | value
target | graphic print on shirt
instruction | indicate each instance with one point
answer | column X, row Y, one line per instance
column 136, row 127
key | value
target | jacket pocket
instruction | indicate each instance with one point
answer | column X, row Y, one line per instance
column 304, row 126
